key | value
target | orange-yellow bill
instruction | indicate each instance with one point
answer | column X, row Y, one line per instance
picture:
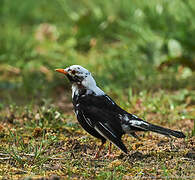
column 61, row 71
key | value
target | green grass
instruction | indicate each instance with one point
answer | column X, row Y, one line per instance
column 46, row 141
column 141, row 53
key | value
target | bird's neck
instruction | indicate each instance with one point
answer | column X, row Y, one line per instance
column 79, row 89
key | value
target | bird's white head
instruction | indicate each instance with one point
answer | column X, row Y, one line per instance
column 80, row 78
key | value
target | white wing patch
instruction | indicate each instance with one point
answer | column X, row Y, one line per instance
column 127, row 123
column 133, row 122
column 137, row 123
column 126, row 118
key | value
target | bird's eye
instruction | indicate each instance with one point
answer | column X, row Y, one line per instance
column 73, row 72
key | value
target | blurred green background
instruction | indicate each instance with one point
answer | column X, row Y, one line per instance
column 129, row 46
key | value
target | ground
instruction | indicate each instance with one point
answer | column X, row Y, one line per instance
column 46, row 140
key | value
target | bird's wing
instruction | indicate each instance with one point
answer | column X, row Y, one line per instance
column 101, row 113
column 108, row 133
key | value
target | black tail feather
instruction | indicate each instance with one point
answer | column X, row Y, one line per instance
column 165, row 131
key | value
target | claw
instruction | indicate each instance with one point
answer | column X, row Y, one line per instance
column 109, row 154
column 98, row 152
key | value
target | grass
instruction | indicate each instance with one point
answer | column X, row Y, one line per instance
column 45, row 141
column 141, row 54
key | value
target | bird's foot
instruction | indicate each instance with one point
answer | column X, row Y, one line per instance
column 96, row 156
column 109, row 155
column 98, row 152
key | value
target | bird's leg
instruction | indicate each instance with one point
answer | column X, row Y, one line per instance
column 109, row 154
column 99, row 149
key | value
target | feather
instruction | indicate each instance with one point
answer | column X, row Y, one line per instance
column 100, row 116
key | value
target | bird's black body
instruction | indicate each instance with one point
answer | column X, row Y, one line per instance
column 102, row 113
column 82, row 119
column 100, row 116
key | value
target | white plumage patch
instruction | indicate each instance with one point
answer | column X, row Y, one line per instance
column 126, row 118
column 137, row 123
column 134, row 116
column 107, row 130
column 100, row 132
column 110, row 100
column 76, row 112
column 88, row 120
column 120, row 116
column 126, row 128
column 75, row 90
column 87, row 82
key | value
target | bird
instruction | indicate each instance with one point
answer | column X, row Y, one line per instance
column 100, row 116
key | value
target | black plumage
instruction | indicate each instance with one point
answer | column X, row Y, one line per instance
column 100, row 116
